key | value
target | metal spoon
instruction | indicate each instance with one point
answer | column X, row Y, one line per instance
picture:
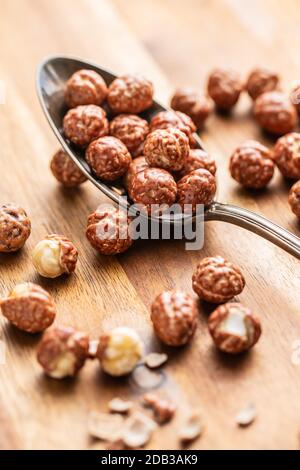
column 52, row 75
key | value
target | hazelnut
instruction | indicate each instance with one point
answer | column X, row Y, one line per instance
column 251, row 165
column 234, row 328
column 130, row 94
column 65, row 170
column 275, row 113
column 85, row 87
column 196, row 159
column 286, row 155
column 295, row 96
column 108, row 230
column 174, row 317
column 108, row 158
column 197, row 107
column 177, row 120
column 119, row 351
column 29, row 307
column 163, row 408
column 217, row 280
column 166, row 148
column 15, row 228
column 54, row 255
column 84, row 124
column 131, row 130
column 153, row 186
column 197, row 187
column 224, row 87
column 260, row 81
column 138, row 164
column 294, row 198
column 62, row 351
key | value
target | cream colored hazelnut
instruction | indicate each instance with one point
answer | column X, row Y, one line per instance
column 119, row 351
column 55, row 255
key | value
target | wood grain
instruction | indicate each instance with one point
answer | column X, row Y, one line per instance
column 37, row 412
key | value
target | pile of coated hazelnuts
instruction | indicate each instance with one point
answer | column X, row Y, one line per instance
column 158, row 164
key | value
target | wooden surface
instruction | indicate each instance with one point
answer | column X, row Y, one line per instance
column 185, row 39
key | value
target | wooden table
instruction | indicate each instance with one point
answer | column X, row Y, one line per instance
column 189, row 38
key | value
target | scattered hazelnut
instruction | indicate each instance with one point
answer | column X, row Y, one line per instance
column 137, row 430
column 251, row 165
column 224, row 87
column 62, row 352
column 84, row 124
column 260, row 81
column 294, row 198
column 217, row 280
column 85, row 87
column 54, row 255
column 234, row 328
column 174, row 119
column 197, row 187
column 197, row 107
column 131, row 130
column 65, row 170
column 166, row 148
column 105, row 426
column 275, row 113
column 108, row 230
column 163, row 408
column 191, row 429
column 246, row 416
column 130, row 94
column 15, row 228
column 196, row 159
column 153, row 186
column 118, row 405
column 29, row 307
column 295, row 96
column 108, row 158
column 154, row 360
column 138, row 164
column 286, row 155
column 174, row 317
column 119, row 351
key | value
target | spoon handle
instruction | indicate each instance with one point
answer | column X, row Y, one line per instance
column 255, row 223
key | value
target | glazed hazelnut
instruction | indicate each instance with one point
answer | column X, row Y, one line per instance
column 260, row 81
column 294, row 198
column 224, row 87
column 234, row 328
column 197, row 187
column 29, row 307
column 108, row 157
column 217, row 280
column 130, row 94
column 197, row 107
column 166, row 148
column 177, row 120
column 138, row 164
column 15, row 228
column 54, row 255
column 286, row 155
column 153, row 186
column 295, row 96
column 84, row 124
column 108, row 230
column 85, row 87
column 174, row 317
column 131, row 130
column 65, row 170
column 119, row 351
column 275, row 113
column 251, row 165
column 198, row 158
column 62, row 352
